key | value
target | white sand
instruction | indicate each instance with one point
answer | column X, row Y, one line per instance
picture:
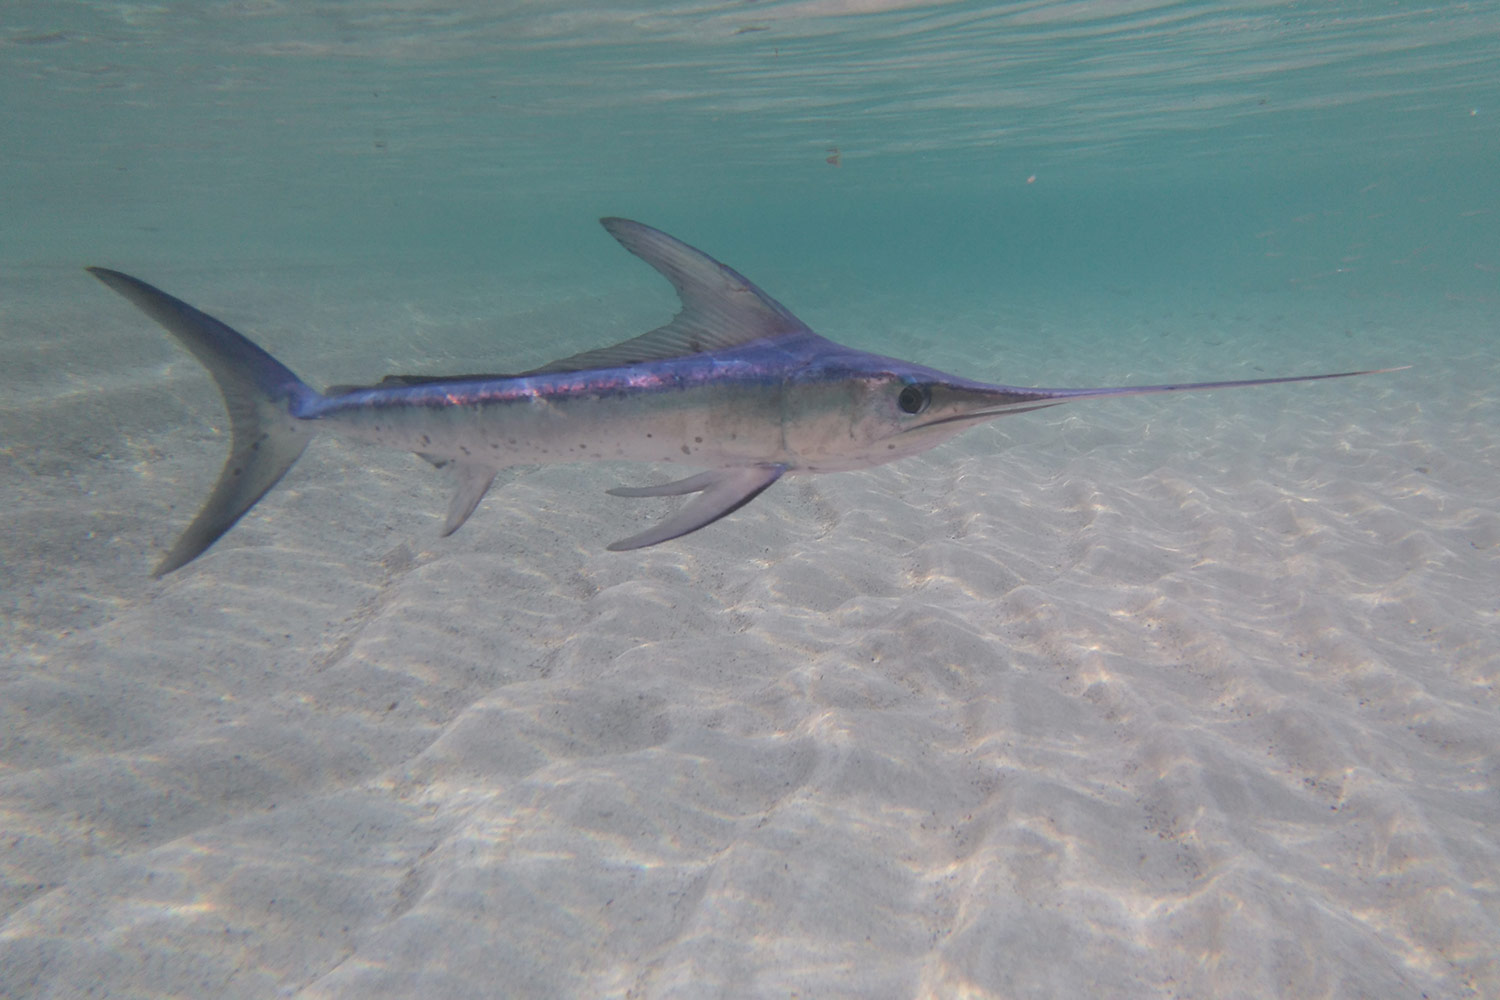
column 1179, row 697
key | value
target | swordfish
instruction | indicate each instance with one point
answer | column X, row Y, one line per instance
column 734, row 383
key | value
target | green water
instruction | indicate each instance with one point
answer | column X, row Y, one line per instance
column 1052, row 144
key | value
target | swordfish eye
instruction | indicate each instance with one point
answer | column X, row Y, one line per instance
column 914, row 399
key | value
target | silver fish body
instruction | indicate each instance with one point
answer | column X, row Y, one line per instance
column 695, row 411
column 735, row 384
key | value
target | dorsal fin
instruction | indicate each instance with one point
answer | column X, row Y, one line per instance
column 721, row 308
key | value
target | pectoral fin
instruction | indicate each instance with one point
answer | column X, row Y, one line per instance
column 692, row 484
column 473, row 482
column 720, row 492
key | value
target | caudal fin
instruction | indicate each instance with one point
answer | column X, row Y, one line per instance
column 261, row 395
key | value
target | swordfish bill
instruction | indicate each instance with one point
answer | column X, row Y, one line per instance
column 734, row 384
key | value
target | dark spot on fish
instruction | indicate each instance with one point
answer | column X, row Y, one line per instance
column 463, row 449
column 49, row 38
column 426, row 439
column 890, row 447
column 237, row 471
column 648, row 435
column 698, row 440
column 686, row 450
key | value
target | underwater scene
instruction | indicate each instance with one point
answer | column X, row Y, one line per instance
column 901, row 679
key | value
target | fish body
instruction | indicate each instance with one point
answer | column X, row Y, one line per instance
column 799, row 405
column 735, row 383
column 703, row 409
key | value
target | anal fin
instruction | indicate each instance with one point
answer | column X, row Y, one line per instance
column 473, row 481
column 720, row 492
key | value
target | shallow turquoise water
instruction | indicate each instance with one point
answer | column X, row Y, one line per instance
column 1194, row 696
column 1053, row 143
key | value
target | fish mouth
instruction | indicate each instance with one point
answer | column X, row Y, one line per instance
column 988, row 409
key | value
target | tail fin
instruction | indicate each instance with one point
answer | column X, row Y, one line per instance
column 262, row 398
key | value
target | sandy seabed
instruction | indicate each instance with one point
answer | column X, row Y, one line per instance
column 1184, row 697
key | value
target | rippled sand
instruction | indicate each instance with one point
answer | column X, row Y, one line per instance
column 1159, row 697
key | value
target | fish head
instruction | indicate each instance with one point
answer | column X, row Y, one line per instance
column 864, row 410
